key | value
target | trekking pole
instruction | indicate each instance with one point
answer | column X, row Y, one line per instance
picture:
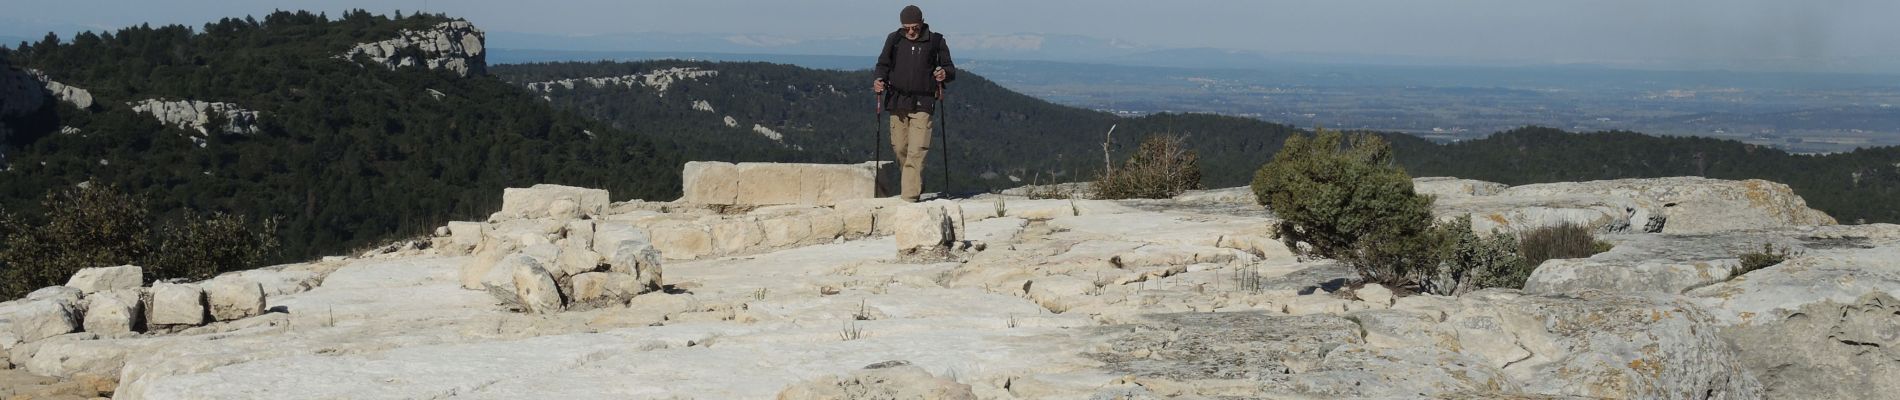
column 941, row 112
column 877, row 148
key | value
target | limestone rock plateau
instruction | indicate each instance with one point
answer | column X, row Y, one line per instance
column 566, row 295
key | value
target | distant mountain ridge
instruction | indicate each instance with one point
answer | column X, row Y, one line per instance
column 1000, row 138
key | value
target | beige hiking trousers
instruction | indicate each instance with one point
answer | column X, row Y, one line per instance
column 910, row 140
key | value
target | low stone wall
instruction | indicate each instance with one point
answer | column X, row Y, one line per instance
column 722, row 183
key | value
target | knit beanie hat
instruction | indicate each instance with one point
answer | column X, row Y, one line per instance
column 911, row 15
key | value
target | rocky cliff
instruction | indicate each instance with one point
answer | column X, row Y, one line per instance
column 659, row 81
column 455, row 46
column 775, row 296
column 198, row 115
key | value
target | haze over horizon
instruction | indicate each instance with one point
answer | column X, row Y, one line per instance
column 1817, row 36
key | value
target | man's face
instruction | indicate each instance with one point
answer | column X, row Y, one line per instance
column 912, row 29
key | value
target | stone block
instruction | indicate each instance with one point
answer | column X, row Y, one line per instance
column 232, row 298
column 94, row 280
column 541, row 201
column 114, row 312
column 176, row 304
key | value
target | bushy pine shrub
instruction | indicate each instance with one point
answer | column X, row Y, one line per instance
column 1162, row 168
column 82, row 227
column 1344, row 198
column 98, row 226
column 1473, row 261
column 202, row 245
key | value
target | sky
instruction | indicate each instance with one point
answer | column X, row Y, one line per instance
column 1853, row 35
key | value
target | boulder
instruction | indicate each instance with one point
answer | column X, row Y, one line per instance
column 115, row 312
column 49, row 316
column 539, row 201
column 897, row 381
column 176, row 304
column 602, row 289
column 94, row 280
column 639, row 260
column 776, row 183
column 535, row 288
column 232, row 298
column 927, row 229
column 499, row 280
column 1697, row 205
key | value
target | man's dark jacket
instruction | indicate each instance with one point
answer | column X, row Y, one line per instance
column 905, row 67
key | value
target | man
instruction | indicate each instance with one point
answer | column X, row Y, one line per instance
column 914, row 66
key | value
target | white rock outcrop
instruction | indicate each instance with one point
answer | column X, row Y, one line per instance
column 197, row 115
column 100, row 279
column 81, row 98
column 456, row 46
column 1162, row 298
column 658, row 80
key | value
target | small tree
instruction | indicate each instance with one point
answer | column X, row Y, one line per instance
column 83, row 227
column 1474, row 261
column 1350, row 203
column 1162, row 168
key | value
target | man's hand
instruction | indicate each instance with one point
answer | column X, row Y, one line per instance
column 877, row 87
column 939, row 74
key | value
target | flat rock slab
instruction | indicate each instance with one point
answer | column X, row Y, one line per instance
column 724, row 183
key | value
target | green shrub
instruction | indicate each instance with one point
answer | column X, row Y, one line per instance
column 1472, row 261
column 84, row 226
column 203, row 245
column 1567, row 240
column 1350, row 203
column 1769, row 256
column 1162, row 168
column 98, row 226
